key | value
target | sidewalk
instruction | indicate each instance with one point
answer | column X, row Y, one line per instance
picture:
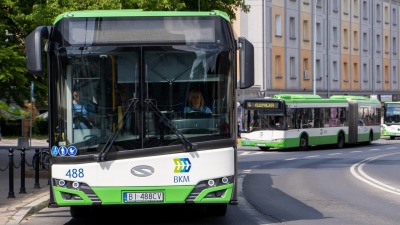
column 14, row 210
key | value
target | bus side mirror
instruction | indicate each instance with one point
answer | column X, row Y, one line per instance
column 246, row 62
column 33, row 47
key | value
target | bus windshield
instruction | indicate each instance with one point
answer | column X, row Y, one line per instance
column 101, row 83
column 392, row 113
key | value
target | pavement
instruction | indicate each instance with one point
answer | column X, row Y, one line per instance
column 15, row 205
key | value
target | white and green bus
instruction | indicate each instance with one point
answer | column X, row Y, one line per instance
column 391, row 119
column 301, row 120
column 127, row 140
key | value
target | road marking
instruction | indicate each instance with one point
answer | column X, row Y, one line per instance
column 246, row 171
column 391, row 147
column 357, row 171
column 355, row 151
column 290, row 159
column 311, row 156
column 375, row 149
column 335, row 153
column 244, row 153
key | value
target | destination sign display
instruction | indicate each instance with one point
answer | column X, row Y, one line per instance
column 395, row 105
column 262, row 105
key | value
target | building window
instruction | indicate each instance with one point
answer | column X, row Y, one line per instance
column 278, row 27
column 365, row 41
column 278, row 64
column 318, row 69
column 335, row 37
column 394, row 16
column 394, row 74
column 345, row 38
column 355, row 40
column 345, row 72
column 386, row 44
column 335, row 70
column 355, row 72
column 365, row 72
column 292, row 30
column 335, row 6
column 306, row 31
column 319, row 3
column 387, row 74
column 378, row 13
column 292, row 65
column 394, row 45
column 306, row 75
column 355, row 9
column 306, row 2
column 319, row 33
column 365, row 10
column 378, row 43
column 378, row 74
column 386, row 14
column 345, row 7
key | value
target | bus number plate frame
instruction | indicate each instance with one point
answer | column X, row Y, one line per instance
column 130, row 197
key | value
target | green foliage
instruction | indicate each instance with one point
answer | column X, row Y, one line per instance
column 20, row 17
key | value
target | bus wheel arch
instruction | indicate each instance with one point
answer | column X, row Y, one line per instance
column 340, row 140
column 303, row 143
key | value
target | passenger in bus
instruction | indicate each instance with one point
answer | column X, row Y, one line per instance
column 280, row 122
column 196, row 103
column 80, row 113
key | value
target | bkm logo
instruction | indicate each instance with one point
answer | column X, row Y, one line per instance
column 182, row 165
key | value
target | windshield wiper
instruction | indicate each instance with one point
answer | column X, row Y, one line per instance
column 187, row 145
column 102, row 156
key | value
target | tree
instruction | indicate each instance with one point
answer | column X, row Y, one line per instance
column 20, row 17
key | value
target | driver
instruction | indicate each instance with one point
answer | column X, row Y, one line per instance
column 80, row 112
column 196, row 103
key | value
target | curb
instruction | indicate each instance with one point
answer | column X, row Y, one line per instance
column 29, row 210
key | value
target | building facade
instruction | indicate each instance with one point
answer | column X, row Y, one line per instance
column 325, row 47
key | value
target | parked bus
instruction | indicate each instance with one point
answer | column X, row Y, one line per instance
column 118, row 83
column 301, row 120
column 391, row 119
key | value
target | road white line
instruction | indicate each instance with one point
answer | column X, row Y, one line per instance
column 355, row 151
column 375, row 149
column 357, row 171
column 246, row 171
column 335, row 153
column 311, row 156
column 244, row 153
column 391, row 148
column 290, row 159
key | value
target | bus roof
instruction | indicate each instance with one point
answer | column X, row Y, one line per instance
column 297, row 96
column 137, row 13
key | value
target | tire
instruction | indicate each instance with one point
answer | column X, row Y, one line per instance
column 392, row 137
column 371, row 138
column 303, row 145
column 217, row 209
column 264, row 148
column 340, row 140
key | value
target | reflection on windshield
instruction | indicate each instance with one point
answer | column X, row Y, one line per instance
column 96, row 98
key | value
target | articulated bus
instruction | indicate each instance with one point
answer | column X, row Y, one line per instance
column 130, row 142
column 300, row 121
column 391, row 119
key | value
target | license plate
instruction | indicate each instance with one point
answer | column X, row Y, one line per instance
column 261, row 145
column 143, row 197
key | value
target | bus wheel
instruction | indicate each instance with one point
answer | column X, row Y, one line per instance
column 392, row 137
column 217, row 209
column 340, row 140
column 303, row 143
column 371, row 138
column 264, row 148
